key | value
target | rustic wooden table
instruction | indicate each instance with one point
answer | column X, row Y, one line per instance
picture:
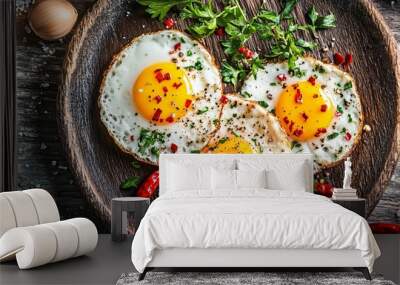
column 41, row 159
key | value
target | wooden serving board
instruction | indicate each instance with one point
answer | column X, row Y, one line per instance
column 100, row 166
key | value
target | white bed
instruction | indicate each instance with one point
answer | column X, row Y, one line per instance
column 248, row 226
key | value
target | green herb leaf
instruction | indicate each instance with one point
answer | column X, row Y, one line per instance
column 149, row 141
column 246, row 94
column 348, row 85
column 202, row 111
column 332, row 136
column 312, row 15
column 263, row 104
column 131, row 182
column 195, row 151
column 231, row 74
column 160, row 8
column 288, row 9
column 320, row 22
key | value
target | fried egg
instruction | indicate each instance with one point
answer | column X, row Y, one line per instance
column 245, row 127
column 160, row 94
column 318, row 108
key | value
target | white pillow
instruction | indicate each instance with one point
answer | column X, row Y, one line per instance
column 293, row 179
column 282, row 174
column 251, row 178
column 224, row 179
column 181, row 177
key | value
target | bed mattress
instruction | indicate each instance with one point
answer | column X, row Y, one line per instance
column 250, row 219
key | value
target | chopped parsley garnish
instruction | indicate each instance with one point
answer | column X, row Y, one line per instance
column 350, row 118
column 189, row 53
column 272, row 112
column 223, row 140
column 295, row 144
column 273, row 84
column 348, row 85
column 202, row 111
column 280, row 28
column 332, row 136
column 263, row 104
column 195, row 151
column 339, row 109
column 343, row 131
column 245, row 94
column 131, row 182
column 148, row 140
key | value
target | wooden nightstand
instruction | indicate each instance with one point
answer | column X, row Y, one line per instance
column 355, row 205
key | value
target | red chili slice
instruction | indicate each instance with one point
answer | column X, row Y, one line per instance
column 159, row 76
column 223, row 99
column 312, row 80
column 338, row 58
column 170, row 118
column 177, row 46
column 174, row 148
column 348, row 59
column 324, row 107
column 305, row 117
column 157, row 115
column 247, row 53
column 220, row 31
column 322, row 130
column 286, row 120
column 298, row 132
column 347, row 137
column 165, row 89
column 149, row 186
column 167, row 76
column 169, row 23
column 281, row 77
column 298, row 98
column 338, row 114
column 188, row 103
column 177, row 85
column 158, row 99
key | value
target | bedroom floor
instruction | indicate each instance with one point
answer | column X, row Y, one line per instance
column 103, row 266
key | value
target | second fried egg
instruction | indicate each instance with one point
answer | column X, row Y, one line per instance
column 318, row 107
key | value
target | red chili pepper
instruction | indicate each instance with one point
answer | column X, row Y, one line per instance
column 170, row 118
column 188, row 103
column 223, row 99
column 324, row 107
column 298, row 132
column 158, row 99
column 338, row 58
column 247, row 53
column 298, row 98
column 322, row 130
column 149, row 186
column 281, row 77
column 177, row 85
column 169, row 23
column 347, row 136
column 286, row 120
column 305, row 117
column 349, row 59
column 177, row 46
column 157, row 115
column 167, row 76
column 220, row 31
column 385, row 228
column 312, row 80
column 174, row 148
column 165, row 89
column 338, row 114
column 159, row 76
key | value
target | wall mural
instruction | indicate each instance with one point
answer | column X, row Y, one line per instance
column 134, row 86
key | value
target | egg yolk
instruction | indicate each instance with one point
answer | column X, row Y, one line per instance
column 162, row 93
column 233, row 145
column 303, row 110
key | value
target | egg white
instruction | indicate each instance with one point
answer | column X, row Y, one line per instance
column 252, row 123
column 119, row 113
column 327, row 152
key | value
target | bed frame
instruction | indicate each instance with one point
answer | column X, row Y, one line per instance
column 246, row 258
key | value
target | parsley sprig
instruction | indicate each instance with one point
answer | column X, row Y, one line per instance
column 280, row 29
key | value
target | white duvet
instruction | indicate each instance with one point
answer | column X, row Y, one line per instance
column 252, row 218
